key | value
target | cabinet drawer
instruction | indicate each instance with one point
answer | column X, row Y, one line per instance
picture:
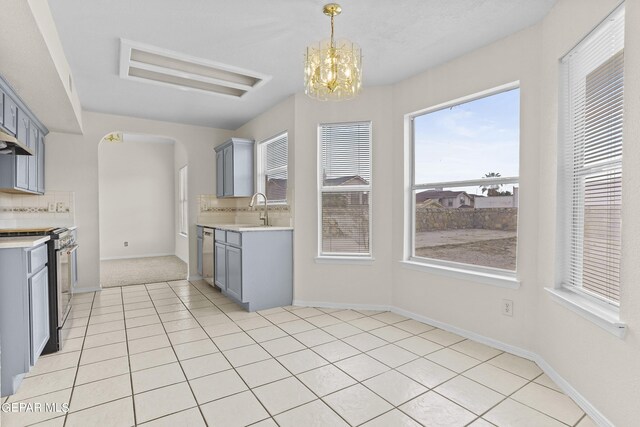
column 234, row 238
column 221, row 235
column 37, row 258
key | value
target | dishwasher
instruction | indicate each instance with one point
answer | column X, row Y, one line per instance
column 207, row 255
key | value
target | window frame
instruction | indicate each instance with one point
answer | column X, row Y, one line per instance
column 343, row 257
column 261, row 164
column 183, row 201
column 597, row 308
column 482, row 274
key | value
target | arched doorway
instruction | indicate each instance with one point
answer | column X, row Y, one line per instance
column 142, row 206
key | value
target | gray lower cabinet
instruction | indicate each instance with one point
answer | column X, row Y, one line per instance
column 39, row 312
column 220, row 265
column 255, row 268
column 24, row 312
column 234, row 168
column 234, row 272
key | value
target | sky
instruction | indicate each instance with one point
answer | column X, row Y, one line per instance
column 469, row 140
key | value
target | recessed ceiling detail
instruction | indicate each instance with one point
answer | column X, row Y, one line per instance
column 154, row 65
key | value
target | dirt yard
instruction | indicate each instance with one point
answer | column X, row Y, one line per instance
column 470, row 247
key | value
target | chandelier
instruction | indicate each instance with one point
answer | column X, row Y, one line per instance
column 333, row 69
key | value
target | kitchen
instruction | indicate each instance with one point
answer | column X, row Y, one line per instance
column 304, row 298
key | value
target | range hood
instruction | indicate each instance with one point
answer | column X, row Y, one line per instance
column 10, row 145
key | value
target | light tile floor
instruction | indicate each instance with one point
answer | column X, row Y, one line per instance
column 181, row 353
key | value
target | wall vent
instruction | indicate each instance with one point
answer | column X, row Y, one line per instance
column 159, row 66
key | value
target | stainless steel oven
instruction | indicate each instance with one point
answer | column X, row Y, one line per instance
column 66, row 255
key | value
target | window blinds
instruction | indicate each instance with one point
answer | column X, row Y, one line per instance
column 346, row 153
column 275, row 168
column 345, row 177
column 593, row 89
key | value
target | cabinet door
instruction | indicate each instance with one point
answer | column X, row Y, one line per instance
column 22, row 162
column 200, row 257
column 219, row 174
column 234, row 272
column 33, row 160
column 10, row 115
column 40, row 163
column 1, row 107
column 220, row 267
column 228, row 171
column 39, row 312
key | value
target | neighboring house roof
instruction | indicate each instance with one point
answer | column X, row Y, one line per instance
column 430, row 203
column 438, row 194
column 346, row 180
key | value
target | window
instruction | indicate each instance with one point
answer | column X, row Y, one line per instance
column 591, row 161
column 182, row 201
column 272, row 168
column 464, row 189
column 345, row 189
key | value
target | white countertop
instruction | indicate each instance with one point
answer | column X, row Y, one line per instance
column 22, row 242
column 244, row 227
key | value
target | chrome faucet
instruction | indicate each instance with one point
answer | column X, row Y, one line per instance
column 264, row 218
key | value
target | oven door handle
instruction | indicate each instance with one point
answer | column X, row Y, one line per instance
column 71, row 249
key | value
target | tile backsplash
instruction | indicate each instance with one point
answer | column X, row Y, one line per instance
column 237, row 210
column 54, row 208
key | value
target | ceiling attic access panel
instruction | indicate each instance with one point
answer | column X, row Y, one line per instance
column 159, row 66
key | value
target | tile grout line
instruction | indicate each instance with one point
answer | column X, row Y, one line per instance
column 73, row 387
column 287, row 334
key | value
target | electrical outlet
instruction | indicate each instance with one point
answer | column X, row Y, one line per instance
column 51, row 207
column 126, row 244
column 59, row 207
column 507, row 307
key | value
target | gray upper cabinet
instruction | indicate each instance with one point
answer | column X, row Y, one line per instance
column 40, row 150
column 10, row 115
column 33, row 160
column 21, row 174
column 1, row 107
column 22, row 162
column 219, row 168
column 234, row 168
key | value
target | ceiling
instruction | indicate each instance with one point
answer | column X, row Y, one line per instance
column 398, row 39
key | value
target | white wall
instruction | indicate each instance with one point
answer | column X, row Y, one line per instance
column 72, row 164
column 137, row 199
column 602, row 368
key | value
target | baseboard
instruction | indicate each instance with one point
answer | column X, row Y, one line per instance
column 86, row 290
column 345, row 306
column 194, row 277
column 564, row 385
column 136, row 256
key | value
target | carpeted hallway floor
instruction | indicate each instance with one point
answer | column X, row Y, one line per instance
column 135, row 271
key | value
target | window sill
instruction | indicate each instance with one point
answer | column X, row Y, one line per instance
column 608, row 319
column 503, row 281
column 344, row 260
